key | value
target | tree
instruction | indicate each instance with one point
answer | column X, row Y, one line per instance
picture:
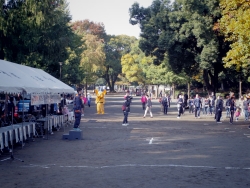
column 115, row 48
column 36, row 33
column 235, row 25
column 183, row 33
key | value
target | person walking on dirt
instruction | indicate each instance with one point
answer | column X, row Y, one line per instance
column 219, row 108
column 89, row 99
column 164, row 103
column 126, row 110
column 143, row 101
column 148, row 107
column 232, row 107
column 197, row 105
column 179, row 105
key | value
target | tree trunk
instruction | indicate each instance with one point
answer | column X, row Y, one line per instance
column 188, row 90
column 173, row 91
column 240, row 89
column 206, row 81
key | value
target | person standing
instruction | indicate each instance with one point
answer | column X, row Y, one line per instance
column 219, row 108
column 232, row 108
column 164, row 103
column 148, row 107
column 77, row 109
column 191, row 105
column 180, row 106
column 245, row 108
column 126, row 109
column 228, row 106
column 89, row 99
column 197, row 105
column 143, row 101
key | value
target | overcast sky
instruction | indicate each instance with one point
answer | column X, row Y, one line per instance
column 114, row 14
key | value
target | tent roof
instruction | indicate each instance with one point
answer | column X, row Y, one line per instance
column 16, row 78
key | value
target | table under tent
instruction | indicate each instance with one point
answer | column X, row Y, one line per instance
column 43, row 90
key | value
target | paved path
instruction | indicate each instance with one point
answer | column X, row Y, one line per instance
column 162, row 151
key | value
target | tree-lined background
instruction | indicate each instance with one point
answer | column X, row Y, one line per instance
column 202, row 44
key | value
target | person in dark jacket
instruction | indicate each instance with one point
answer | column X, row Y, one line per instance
column 219, row 108
column 197, row 106
column 126, row 111
column 232, row 107
column 77, row 109
column 180, row 105
column 164, row 102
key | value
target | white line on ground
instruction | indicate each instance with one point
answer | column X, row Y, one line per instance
column 151, row 140
column 137, row 165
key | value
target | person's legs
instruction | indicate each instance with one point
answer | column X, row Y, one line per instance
column 165, row 109
column 218, row 116
column 206, row 110
column 150, row 112
column 125, row 119
column 179, row 112
column 146, row 111
column 231, row 116
column 246, row 114
column 198, row 111
column 102, row 108
column 77, row 120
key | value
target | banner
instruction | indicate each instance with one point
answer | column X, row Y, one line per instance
column 38, row 99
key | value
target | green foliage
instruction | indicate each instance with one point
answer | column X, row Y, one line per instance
column 37, row 34
column 235, row 25
column 182, row 32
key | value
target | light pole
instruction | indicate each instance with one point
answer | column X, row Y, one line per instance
column 86, row 83
column 60, row 63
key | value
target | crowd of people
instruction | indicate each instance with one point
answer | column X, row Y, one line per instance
column 213, row 106
column 207, row 106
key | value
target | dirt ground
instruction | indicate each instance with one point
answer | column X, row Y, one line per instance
column 162, row 151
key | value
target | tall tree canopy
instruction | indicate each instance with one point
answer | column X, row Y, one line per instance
column 115, row 48
column 183, row 33
column 35, row 33
column 235, row 24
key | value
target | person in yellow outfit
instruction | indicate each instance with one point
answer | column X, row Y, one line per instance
column 100, row 101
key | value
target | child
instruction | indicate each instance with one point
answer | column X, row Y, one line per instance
column 237, row 114
column 89, row 99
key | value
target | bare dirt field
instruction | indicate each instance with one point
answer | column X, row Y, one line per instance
column 157, row 152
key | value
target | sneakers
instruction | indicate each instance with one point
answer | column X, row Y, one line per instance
column 124, row 124
column 151, row 116
column 82, row 115
column 219, row 122
column 178, row 117
column 77, row 129
column 143, row 116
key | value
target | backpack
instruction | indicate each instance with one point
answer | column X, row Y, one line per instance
column 143, row 99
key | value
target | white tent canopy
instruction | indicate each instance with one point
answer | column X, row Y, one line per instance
column 16, row 78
